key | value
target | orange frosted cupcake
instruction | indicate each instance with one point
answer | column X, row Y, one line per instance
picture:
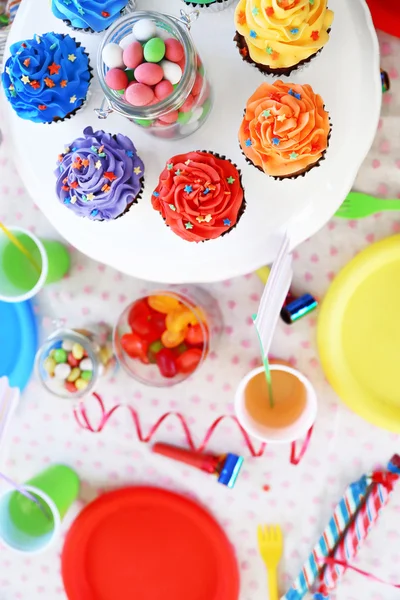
column 285, row 129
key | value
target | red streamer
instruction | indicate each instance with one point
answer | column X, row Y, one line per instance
column 84, row 422
column 343, row 563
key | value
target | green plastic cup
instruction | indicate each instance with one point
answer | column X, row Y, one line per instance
column 23, row 525
column 19, row 280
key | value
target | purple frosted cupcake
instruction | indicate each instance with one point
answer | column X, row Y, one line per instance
column 99, row 176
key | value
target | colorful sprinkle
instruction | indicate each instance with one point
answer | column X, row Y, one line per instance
column 84, row 198
column 64, row 83
column 188, row 189
column 208, row 218
column 255, row 11
column 178, row 172
column 106, row 188
column 37, row 38
column 188, row 225
column 93, row 148
column 206, row 191
column 73, row 199
column 170, row 166
column 276, row 141
column 94, row 212
column 241, row 18
column 71, row 57
column 188, row 161
column 8, row 71
column 266, row 113
column 315, row 36
column 25, row 79
column 137, row 170
column 85, row 162
column 156, row 194
column 281, row 118
column 294, row 31
column 74, row 185
column 35, row 84
column 172, row 207
column 248, row 142
column 105, row 14
column 293, row 156
column 269, row 50
column 128, row 152
column 227, row 222
column 90, row 196
column 253, row 34
column 49, row 82
column 80, row 10
column 27, row 62
column 54, row 69
column 72, row 100
column 53, row 46
column 42, row 107
column 275, row 55
column 269, row 11
column 294, row 94
column 98, row 164
column 231, row 179
column 110, row 175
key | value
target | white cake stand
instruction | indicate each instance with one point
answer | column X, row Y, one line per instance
column 346, row 74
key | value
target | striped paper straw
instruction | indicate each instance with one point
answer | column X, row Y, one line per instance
column 340, row 520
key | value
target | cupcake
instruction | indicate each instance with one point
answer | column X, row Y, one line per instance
column 210, row 5
column 279, row 35
column 92, row 15
column 99, row 175
column 47, row 78
column 199, row 195
column 285, row 129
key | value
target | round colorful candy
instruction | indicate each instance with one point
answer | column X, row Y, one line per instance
column 163, row 89
column 188, row 104
column 74, row 362
column 78, row 351
column 127, row 40
column 172, row 71
column 184, row 117
column 87, row 375
column 198, row 85
column 112, row 56
column 116, row 79
column 62, row 371
column 74, row 375
column 81, row 384
column 60, row 356
column 149, row 73
column 71, row 387
column 154, row 50
column 139, row 94
column 144, row 29
column 133, row 55
column 67, row 345
column 170, row 117
column 174, row 50
column 194, row 335
column 86, row 364
column 49, row 364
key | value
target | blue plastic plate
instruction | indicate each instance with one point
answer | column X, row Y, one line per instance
column 18, row 342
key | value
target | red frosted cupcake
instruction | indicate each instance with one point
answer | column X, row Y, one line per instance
column 200, row 196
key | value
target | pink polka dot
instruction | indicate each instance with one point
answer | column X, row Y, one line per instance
column 376, row 163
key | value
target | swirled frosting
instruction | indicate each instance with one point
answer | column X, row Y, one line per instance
column 199, row 195
column 99, row 175
column 282, row 33
column 285, row 128
column 46, row 78
column 96, row 15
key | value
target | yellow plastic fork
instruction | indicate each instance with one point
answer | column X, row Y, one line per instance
column 270, row 545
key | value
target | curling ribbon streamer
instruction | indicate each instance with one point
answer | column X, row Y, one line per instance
column 83, row 421
column 346, row 565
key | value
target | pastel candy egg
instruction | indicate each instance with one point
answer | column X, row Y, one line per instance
column 49, row 364
column 81, row 384
column 139, row 94
column 87, row 375
column 60, row 356
column 133, row 55
column 112, row 56
column 116, row 79
column 144, row 29
column 127, row 40
column 70, row 386
column 67, row 345
column 174, row 50
column 86, row 365
column 62, row 371
column 149, row 73
column 172, row 71
column 163, row 89
column 78, row 351
column 154, row 50
column 169, row 118
column 184, row 117
column 188, row 104
column 72, row 360
column 74, row 375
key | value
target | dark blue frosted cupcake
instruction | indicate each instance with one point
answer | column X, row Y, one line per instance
column 91, row 15
column 47, row 78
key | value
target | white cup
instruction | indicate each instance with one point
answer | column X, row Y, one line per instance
column 275, row 435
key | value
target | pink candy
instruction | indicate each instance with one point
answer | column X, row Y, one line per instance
column 139, row 94
column 149, row 73
column 171, row 117
column 198, row 84
column 174, row 50
column 133, row 55
column 116, row 79
column 188, row 104
column 163, row 89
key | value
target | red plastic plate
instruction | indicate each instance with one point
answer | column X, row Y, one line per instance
column 386, row 15
column 149, row 544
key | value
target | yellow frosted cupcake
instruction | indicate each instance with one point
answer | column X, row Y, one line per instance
column 279, row 35
column 285, row 129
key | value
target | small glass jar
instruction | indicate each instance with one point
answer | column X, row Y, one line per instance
column 191, row 100
column 71, row 361
column 165, row 336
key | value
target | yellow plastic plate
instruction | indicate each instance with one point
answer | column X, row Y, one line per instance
column 359, row 334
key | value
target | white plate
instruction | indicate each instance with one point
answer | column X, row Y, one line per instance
column 346, row 74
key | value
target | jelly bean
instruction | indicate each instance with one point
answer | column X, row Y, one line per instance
column 133, row 55
column 127, row 41
column 74, row 362
column 172, row 340
column 148, row 73
column 49, row 364
column 112, row 56
column 74, row 375
column 134, row 346
column 163, row 89
column 78, row 351
column 177, row 321
column 81, row 384
column 87, row 375
column 188, row 361
column 139, row 94
column 105, row 354
column 194, row 335
column 139, row 308
column 71, row 387
column 67, row 345
column 86, row 364
column 144, row 29
column 154, row 50
column 166, row 363
column 60, row 356
column 172, row 71
column 62, row 371
column 163, row 304
column 174, row 50
column 116, row 79
column 153, row 349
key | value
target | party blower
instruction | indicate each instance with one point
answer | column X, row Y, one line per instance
column 226, row 466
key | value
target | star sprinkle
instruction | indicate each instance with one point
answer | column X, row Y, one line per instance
column 188, row 225
column 253, row 34
column 188, row 162
column 13, row 93
column 98, row 164
column 37, row 38
column 94, row 212
column 64, row 83
column 42, row 107
column 241, row 18
column 73, row 199
column 74, row 185
column 231, row 179
column 67, row 149
column 85, row 162
column 137, row 170
column 156, row 194
column 170, row 166
column 294, row 31
column 200, row 219
column 266, row 113
column 281, row 118
column 27, row 62
column 71, row 57
column 54, row 69
column 269, row 11
column 110, row 175
column 106, row 188
column 294, row 94
column 275, row 55
column 293, row 156
column 67, row 200
column 227, row 222
column 248, row 142
column 49, row 82
column 178, row 172
column 35, row 84
column 315, row 36
column 8, row 71
column 53, row 46
column 206, row 191
column 84, row 198
column 72, row 100
column 276, row 141
column 90, row 196
column 268, row 49
column 128, row 152
column 25, row 79
column 188, row 189
column 172, row 207
column 105, row 14
column 80, row 10
column 93, row 149
column 208, row 218
column 255, row 11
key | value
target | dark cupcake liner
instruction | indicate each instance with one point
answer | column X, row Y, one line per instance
column 129, row 206
column 265, row 69
column 242, row 206
column 130, row 6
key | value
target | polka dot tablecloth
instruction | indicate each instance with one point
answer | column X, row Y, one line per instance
column 299, row 498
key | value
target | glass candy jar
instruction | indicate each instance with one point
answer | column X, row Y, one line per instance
column 188, row 105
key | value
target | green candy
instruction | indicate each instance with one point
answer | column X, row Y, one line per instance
column 154, row 348
column 120, row 92
column 181, row 348
column 60, row 356
column 154, row 50
column 201, row 70
column 206, row 107
column 184, row 117
column 86, row 375
column 144, row 122
column 130, row 74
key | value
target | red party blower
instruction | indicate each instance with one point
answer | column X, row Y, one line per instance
column 226, row 466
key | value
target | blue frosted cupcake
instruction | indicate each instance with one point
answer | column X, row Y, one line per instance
column 91, row 15
column 46, row 79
